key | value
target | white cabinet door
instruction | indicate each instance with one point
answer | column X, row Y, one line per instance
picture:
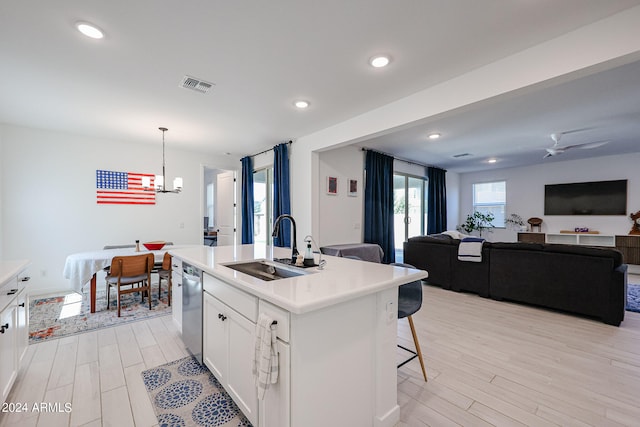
column 22, row 332
column 274, row 408
column 215, row 335
column 240, row 383
column 228, row 347
column 8, row 353
column 176, row 293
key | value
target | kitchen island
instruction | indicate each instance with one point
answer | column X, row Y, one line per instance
column 336, row 330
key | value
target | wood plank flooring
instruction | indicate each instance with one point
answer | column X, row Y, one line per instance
column 488, row 363
column 506, row 364
column 98, row 373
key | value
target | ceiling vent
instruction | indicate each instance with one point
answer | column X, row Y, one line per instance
column 457, row 156
column 198, row 85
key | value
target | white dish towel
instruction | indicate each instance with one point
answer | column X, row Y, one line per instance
column 265, row 361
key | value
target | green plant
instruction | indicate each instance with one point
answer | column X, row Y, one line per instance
column 477, row 221
column 514, row 221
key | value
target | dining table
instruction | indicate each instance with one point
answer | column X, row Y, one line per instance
column 81, row 268
column 366, row 251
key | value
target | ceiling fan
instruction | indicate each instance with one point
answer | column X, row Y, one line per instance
column 556, row 149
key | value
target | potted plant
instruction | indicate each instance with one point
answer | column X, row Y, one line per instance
column 515, row 222
column 477, row 221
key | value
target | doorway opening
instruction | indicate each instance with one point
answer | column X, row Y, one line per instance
column 219, row 207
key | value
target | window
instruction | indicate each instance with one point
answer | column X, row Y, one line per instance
column 262, row 205
column 491, row 197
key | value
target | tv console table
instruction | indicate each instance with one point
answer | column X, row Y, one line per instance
column 628, row 245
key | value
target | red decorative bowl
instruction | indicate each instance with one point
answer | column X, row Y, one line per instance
column 154, row 246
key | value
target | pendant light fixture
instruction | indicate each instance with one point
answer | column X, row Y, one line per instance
column 160, row 179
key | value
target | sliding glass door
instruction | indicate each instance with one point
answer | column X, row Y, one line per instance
column 263, row 205
column 410, row 209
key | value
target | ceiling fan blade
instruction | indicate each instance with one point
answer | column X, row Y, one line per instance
column 590, row 145
column 567, row 132
column 555, row 150
column 586, row 145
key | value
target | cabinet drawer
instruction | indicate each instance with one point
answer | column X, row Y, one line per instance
column 279, row 315
column 240, row 301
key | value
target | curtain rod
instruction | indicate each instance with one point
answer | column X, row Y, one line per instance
column 402, row 160
column 266, row 151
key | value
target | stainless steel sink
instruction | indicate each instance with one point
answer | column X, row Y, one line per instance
column 265, row 270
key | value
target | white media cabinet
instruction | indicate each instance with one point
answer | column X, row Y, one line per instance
column 585, row 239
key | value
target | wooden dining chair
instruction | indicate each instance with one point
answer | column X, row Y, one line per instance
column 165, row 273
column 127, row 271
column 106, row 269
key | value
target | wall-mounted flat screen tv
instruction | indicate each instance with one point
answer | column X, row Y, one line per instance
column 586, row 198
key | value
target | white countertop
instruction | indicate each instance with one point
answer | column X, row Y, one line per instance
column 342, row 279
column 8, row 272
column 9, row 269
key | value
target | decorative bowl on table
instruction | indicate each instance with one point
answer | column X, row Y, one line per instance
column 154, row 246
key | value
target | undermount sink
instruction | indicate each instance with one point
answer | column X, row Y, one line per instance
column 265, row 270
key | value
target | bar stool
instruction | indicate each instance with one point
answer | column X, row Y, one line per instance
column 409, row 302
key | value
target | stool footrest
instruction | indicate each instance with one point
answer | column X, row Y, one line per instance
column 410, row 358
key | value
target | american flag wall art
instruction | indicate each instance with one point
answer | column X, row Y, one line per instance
column 123, row 188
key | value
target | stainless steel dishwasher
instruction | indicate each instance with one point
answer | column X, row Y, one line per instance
column 192, row 310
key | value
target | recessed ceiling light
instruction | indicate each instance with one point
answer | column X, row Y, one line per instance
column 379, row 61
column 89, row 30
column 434, row 135
column 301, row 104
column 492, row 160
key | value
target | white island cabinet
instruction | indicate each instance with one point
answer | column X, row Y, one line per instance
column 13, row 321
column 336, row 333
column 176, row 292
column 230, row 319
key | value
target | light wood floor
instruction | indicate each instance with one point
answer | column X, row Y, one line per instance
column 98, row 373
column 500, row 363
column 488, row 362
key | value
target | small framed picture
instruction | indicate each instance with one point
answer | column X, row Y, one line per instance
column 353, row 188
column 332, row 185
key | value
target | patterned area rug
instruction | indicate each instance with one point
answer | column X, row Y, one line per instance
column 70, row 314
column 184, row 393
column 633, row 297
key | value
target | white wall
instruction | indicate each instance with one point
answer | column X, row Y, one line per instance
column 2, row 204
column 525, row 192
column 49, row 198
column 263, row 160
column 606, row 43
column 340, row 215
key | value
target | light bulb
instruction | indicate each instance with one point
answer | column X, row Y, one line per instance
column 90, row 30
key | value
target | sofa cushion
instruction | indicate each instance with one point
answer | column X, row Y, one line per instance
column 441, row 239
column 525, row 246
column 613, row 254
column 433, row 255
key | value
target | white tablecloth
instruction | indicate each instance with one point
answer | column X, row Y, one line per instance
column 365, row 251
column 79, row 268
